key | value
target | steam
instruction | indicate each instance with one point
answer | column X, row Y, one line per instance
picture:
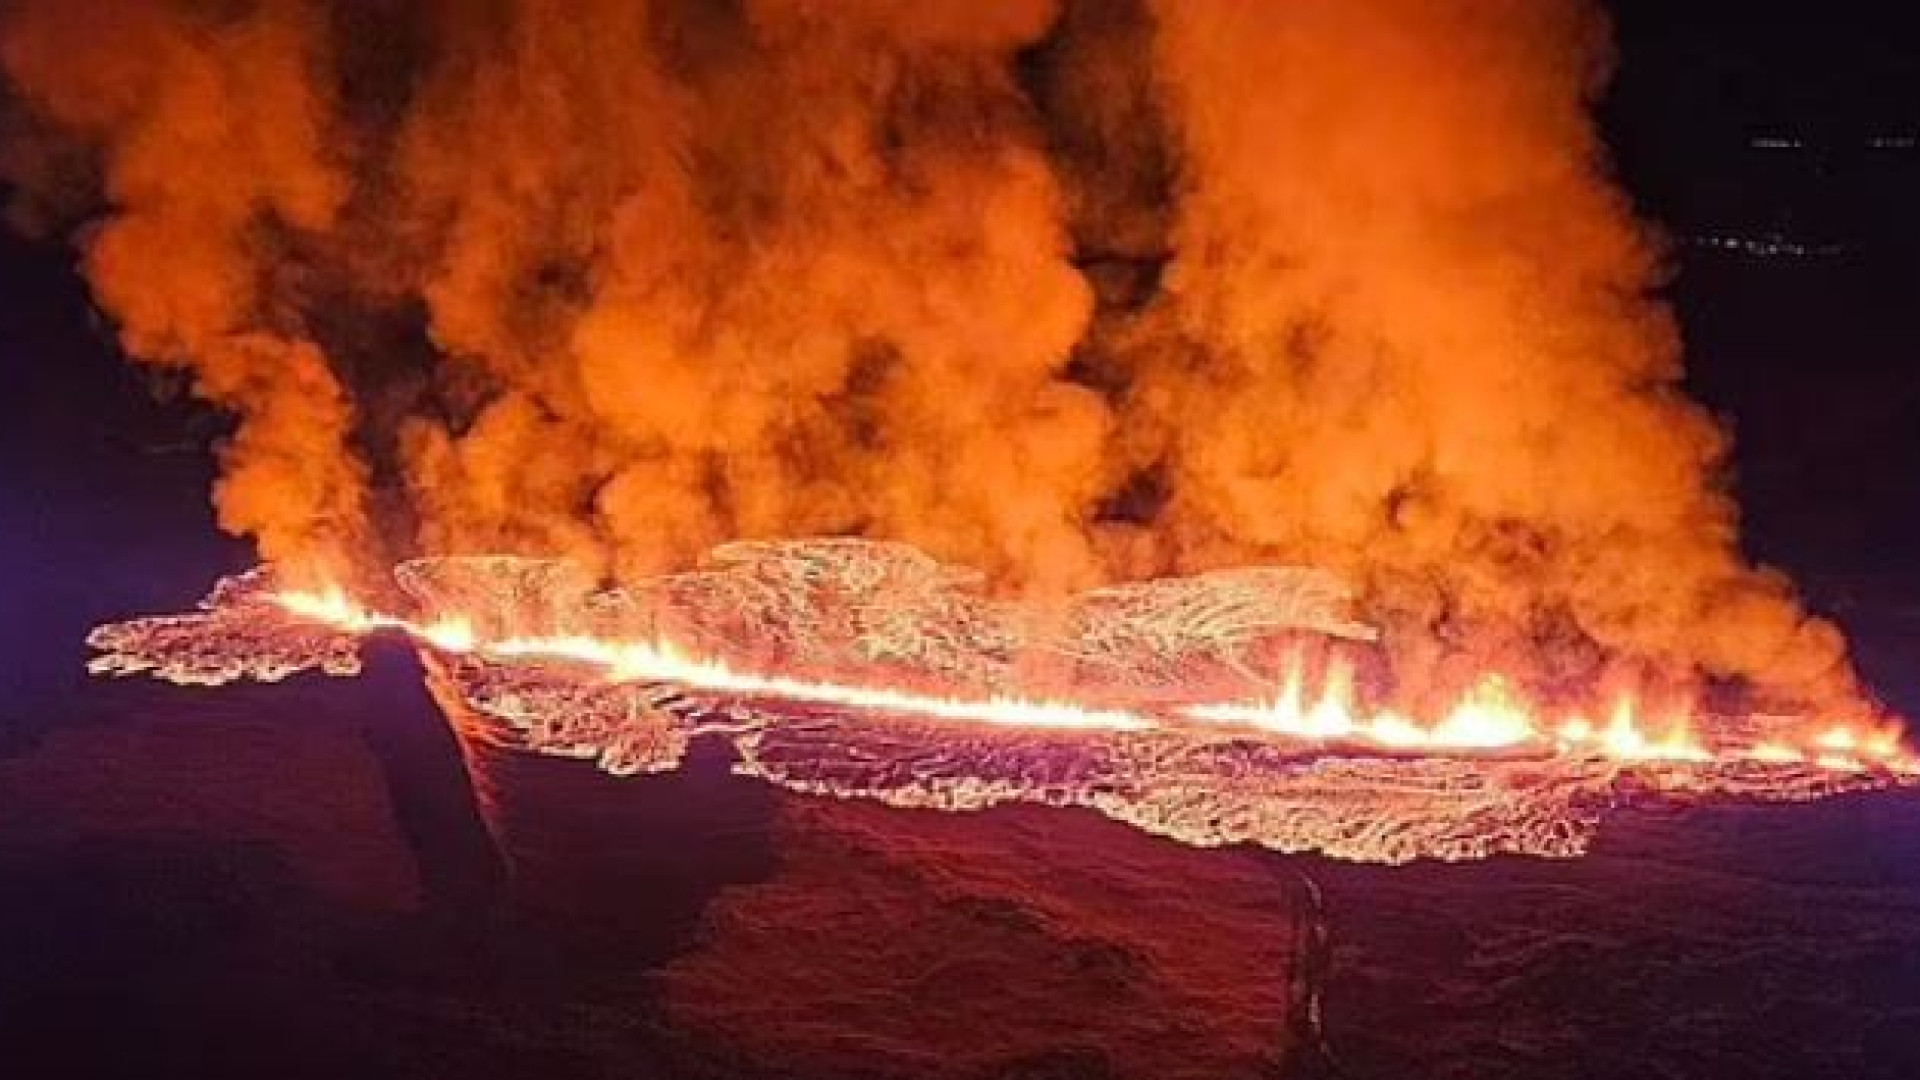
column 1068, row 294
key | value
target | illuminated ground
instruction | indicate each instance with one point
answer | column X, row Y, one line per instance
column 228, row 870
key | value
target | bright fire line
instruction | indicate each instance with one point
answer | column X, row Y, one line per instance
column 1490, row 717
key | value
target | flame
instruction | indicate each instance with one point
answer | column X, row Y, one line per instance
column 1487, row 718
column 1775, row 753
column 1625, row 739
column 331, row 605
column 452, row 634
column 1491, row 716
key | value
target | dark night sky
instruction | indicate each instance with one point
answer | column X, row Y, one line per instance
column 1814, row 358
column 1810, row 355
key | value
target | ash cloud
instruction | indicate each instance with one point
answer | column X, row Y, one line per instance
column 1069, row 292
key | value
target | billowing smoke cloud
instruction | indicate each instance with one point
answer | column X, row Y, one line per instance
column 212, row 153
column 1118, row 288
column 1420, row 348
column 790, row 268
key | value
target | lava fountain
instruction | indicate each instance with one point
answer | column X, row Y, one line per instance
column 1217, row 709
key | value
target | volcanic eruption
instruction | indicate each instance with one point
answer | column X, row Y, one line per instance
column 1254, row 421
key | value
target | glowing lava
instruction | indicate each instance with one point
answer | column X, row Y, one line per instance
column 1489, row 717
column 867, row 670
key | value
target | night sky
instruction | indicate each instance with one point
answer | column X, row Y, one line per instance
column 1779, row 152
column 1811, row 351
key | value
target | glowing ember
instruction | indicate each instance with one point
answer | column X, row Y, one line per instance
column 864, row 669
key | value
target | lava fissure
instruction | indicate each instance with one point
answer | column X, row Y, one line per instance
column 902, row 702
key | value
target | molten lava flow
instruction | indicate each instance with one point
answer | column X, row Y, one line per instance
column 643, row 662
column 1489, row 717
column 860, row 669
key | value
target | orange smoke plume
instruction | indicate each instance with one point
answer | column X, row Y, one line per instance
column 212, row 156
column 1068, row 292
column 815, row 277
column 1428, row 352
